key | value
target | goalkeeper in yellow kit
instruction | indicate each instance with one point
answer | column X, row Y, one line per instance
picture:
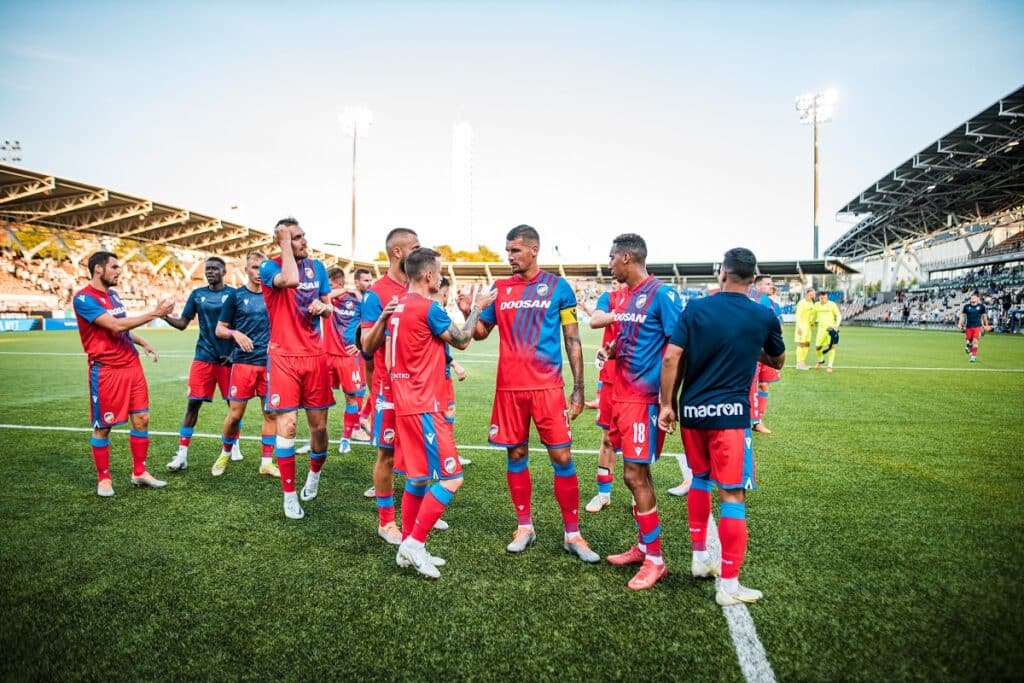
column 827, row 315
column 804, row 327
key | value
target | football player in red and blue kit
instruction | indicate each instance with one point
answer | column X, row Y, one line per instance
column 973, row 319
column 297, row 295
column 533, row 311
column 211, row 367
column 713, row 354
column 399, row 243
column 244, row 321
column 117, row 385
column 343, row 359
column 765, row 375
column 645, row 319
column 424, row 447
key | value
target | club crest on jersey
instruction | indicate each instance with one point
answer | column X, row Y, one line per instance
column 389, row 435
column 448, row 465
column 275, row 400
column 641, row 300
column 309, row 272
column 108, row 417
column 348, row 305
column 493, row 431
column 542, row 288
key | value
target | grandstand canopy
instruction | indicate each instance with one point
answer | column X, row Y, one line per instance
column 971, row 175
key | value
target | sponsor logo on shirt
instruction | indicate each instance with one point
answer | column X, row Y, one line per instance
column 307, row 286
column 525, row 303
column 629, row 317
column 713, row 410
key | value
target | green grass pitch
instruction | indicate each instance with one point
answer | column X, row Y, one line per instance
column 887, row 535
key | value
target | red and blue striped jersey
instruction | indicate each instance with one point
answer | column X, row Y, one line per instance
column 340, row 328
column 101, row 345
column 646, row 321
column 530, row 315
column 417, row 363
column 610, row 302
column 294, row 331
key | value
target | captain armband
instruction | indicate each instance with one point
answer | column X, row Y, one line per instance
column 568, row 316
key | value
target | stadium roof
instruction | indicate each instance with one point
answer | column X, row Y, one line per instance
column 970, row 175
column 46, row 201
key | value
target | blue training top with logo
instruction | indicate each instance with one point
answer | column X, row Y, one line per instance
column 645, row 323
column 207, row 304
column 973, row 313
column 723, row 336
column 246, row 311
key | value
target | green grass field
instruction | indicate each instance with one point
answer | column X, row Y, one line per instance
column 887, row 535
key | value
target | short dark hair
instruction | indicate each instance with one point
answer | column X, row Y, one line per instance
column 524, row 232
column 217, row 259
column 419, row 261
column 740, row 263
column 100, row 258
column 762, row 277
column 287, row 220
column 395, row 233
column 335, row 272
column 362, row 271
column 445, row 282
column 632, row 244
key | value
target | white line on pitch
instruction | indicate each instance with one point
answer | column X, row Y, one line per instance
column 197, row 435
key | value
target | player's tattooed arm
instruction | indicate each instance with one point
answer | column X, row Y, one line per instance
column 574, row 350
column 461, row 337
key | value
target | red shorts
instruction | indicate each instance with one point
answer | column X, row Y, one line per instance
column 204, row 377
column 383, row 418
column 425, row 448
column 766, row 373
column 513, row 410
column 346, row 373
column 604, row 406
column 634, row 431
column 295, row 382
column 247, row 381
column 972, row 333
column 448, row 395
column 115, row 393
column 727, row 454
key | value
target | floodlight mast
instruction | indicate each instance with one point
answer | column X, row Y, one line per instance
column 355, row 121
column 816, row 108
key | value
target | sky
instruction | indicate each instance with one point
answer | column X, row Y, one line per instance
column 673, row 120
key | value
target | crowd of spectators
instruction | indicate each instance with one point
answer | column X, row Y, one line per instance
column 939, row 307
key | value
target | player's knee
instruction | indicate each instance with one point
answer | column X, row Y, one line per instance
column 286, row 425
column 140, row 421
column 560, row 456
column 452, row 485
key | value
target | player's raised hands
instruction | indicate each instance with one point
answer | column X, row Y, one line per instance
column 317, row 307
column 484, row 297
column 283, row 235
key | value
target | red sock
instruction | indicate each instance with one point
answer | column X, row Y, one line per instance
column 316, row 461
column 733, row 533
column 650, row 532
column 753, row 400
column 433, row 506
column 101, row 457
column 412, row 498
column 567, row 493
column 698, row 509
column 267, row 443
column 385, row 507
column 520, row 486
column 138, row 443
column 286, row 464
column 350, row 423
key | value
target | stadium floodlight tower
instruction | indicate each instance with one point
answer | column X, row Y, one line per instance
column 816, row 108
column 355, row 121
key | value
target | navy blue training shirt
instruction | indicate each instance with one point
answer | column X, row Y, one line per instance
column 723, row 336
column 246, row 311
column 207, row 303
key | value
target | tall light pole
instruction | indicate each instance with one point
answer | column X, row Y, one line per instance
column 355, row 121
column 816, row 108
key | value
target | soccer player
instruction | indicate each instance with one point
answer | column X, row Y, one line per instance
column 804, row 328
column 418, row 332
column 973, row 318
column 211, row 367
column 713, row 353
column 603, row 317
column 761, row 293
column 243, row 320
column 826, row 314
column 364, row 280
column 117, row 385
column 392, row 285
column 646, row 320
column 296, row 292
column 342, row 355
column 530, row 309
column 452, row 366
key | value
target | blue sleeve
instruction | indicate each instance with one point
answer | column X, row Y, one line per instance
column 321, row 275
column 670, row 308
column 227, row 311
column 87, row 307
column 604, row 303
column 681, row 335
column 437, row 320
column 189, row 311
column 371, row 309
column 488, row 315
column 268, row 271
column 566, row 297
